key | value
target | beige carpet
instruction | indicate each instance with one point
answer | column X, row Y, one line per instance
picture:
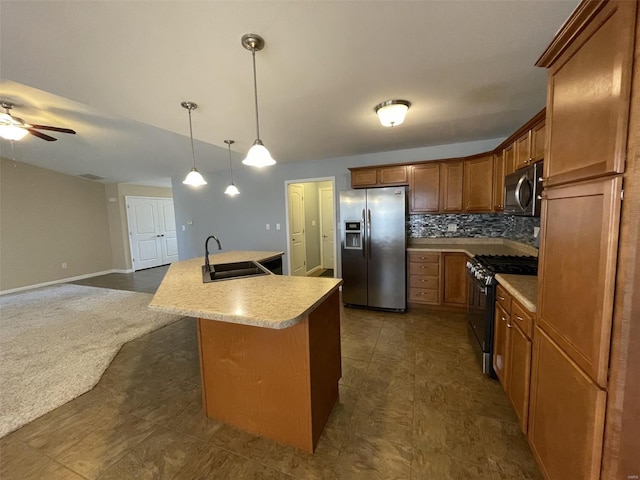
column 55, row 343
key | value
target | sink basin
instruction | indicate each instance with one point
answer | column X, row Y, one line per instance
column 229, row 271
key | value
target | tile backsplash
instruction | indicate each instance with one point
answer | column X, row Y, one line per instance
column 512, row 227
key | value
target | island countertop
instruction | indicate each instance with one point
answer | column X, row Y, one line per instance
column 271, row 301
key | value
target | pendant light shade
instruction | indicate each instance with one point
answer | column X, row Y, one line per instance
column 194, row 178
column 392, row 112
column 231, row 190
column 258, row 155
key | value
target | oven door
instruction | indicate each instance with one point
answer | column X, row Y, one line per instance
column 480, row 322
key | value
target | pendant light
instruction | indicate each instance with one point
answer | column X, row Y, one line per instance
column 193, row 179
column 258, row 155
column 231, row 190
column 392, row 112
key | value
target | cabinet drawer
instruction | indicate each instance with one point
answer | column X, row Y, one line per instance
column 503, row 299
column 424, row 295
column 522, row 317
column 424, row 257
column 424, row 281
column 430, row 269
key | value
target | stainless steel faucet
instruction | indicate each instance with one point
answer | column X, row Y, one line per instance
column 206, row 251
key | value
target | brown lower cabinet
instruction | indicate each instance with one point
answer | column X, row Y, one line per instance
column 566, row 416
column 512, row 352
column 437, row 279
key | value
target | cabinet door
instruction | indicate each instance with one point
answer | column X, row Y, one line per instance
column 455, row 290
column 424, row 186
column 519, row 372
column 566, row 414
column 366, row 177
column 478, row 184
column 451, row 186
column 522, row 156
column 509, row 159
column 500, row 336
column 393, row 175
column 588, row 98
column 537, row 142
column 577, row 269
column 498, row 183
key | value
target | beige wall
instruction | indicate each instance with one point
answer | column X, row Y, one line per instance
column 117, row 213
column 47, row 218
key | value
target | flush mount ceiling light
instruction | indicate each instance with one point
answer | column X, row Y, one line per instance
column 258, row 155
column 231, row 190
column 392, row 112
column 193, row 178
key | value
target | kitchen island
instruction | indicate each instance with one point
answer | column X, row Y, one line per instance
column 269, row 346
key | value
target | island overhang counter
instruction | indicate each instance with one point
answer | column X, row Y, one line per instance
column 269, row 346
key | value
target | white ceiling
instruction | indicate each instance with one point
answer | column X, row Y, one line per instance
column 116, row 72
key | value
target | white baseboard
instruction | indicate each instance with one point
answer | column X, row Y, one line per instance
column 63, row 280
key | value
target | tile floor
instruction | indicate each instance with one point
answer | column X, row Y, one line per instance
column 413, row 405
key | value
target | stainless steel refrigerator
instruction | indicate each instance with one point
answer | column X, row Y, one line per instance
column 373, row 245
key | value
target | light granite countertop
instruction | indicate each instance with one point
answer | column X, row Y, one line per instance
column 524, row 288
column 471, row 246
column 270, row 301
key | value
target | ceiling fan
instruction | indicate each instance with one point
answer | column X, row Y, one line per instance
column 14, row 128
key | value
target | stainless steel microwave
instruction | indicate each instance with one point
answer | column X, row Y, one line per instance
column 522, row 191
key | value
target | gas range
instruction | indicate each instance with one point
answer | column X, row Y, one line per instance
column 485, row 267
column 482, row 271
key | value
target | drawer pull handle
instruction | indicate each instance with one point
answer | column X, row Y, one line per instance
column 520, row 318
column 509, row 325
column 500, row 298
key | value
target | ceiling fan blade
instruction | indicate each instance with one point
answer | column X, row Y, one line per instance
column 54, row 129
column 41, row 135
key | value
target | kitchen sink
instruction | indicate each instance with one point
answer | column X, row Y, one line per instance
column 229, row 271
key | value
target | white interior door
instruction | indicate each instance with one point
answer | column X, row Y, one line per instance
column 327, row 227
column 152, row 231
column 168, row 240
column 296, row 229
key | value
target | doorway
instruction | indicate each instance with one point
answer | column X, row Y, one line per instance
column 310, row 207
column 152, row 231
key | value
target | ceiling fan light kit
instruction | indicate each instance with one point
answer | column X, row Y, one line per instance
column 14, row 128
column 392, row 112
column 194, row 178
column 258, row 155
column 231, row 190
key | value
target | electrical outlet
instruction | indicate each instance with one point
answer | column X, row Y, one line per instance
column 183, row 228
column 277, row 226
column 452, row 227
column 64, row 264
column 268, row 227
column 536, row 232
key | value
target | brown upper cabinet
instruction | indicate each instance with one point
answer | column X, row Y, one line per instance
column 424, row 183
column 478, row 184
column 498, row 182
column 592, row 114
column 508, row 156
column 451, row 186
column 529, row 147
column 379, row 176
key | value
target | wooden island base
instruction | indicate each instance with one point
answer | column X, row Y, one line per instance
column 280, row 384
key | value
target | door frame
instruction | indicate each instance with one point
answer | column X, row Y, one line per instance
column 286, row 216
column 322, row 225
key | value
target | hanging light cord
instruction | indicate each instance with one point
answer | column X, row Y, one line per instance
column 230, row 167
column 255, row 90
column 193, row 151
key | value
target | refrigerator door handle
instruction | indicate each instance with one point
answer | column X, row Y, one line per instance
column 369, row 230
column 364, row 240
